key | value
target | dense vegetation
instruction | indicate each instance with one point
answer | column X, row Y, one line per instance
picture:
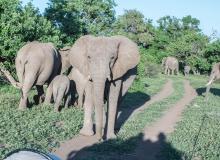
column 64, row 21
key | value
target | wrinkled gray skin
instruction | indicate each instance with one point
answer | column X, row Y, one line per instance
column 59, row 88
column 170, row 64
column 36, row 64
column 215, row 75
column 186, row 70
column 104, row 60
column 80, row 82
column 64, row 52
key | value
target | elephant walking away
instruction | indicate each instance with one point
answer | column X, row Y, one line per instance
column 170, row 64
column 104, row 60
column 36, row 64
column 186, row 70
column 215, row 75
column 59, row 88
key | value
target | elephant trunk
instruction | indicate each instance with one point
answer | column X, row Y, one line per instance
column 98, row 97
column 208, row 85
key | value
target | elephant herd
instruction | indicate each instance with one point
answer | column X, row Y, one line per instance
column 101, row 68
column 171, row 64
column 100, row 71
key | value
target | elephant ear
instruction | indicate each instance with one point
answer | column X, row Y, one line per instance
column 128, row 56
column 78, row 54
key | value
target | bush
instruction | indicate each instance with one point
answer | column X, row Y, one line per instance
column 152, row 70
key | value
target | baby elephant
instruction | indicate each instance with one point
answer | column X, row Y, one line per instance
column 59, row 88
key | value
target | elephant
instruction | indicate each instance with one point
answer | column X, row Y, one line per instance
column 110, row 64
column 80, row 84
column 36, row 64
column 187, row 70
column 215, row 75
column 170, row 63
column 59, row 88
column 64, row 52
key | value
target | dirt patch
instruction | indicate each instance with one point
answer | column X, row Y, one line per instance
column 154, row 136
column 68, row 149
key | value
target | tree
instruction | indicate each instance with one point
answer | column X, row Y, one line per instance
column 133, row 25
column 212, row 53
column 189, row 49
column 80, row 17
column 21, row 24
column 170, row 25
column 190, row 23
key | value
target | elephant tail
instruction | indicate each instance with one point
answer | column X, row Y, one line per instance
column 23, row 71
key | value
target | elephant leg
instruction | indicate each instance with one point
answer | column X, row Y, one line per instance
column 27, row 84
column 172, row 71
column 87, row 129
column 128, row 80
column 207, row 91
column 177, row 71
column 168, row 72
column 165, row 71
column 67, row 100
column 40, row 95
column 59, row 96
column 80, row 97
column 49, row 94
column 114, row 92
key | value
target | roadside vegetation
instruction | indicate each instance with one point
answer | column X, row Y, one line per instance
column 39, row 127
column 197, row 134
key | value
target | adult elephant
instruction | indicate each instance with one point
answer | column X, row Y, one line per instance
column 170, row 64
column 36, row 64
column 215, row 75
column 111, row 65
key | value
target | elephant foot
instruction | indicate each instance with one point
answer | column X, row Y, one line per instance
column 56, row 109
column 99, row 137
column 86, row 132
column 41, row 99
column 110, row 136
column 23, row 105
column 22, row 108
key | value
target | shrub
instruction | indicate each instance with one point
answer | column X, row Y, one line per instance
column 152, row 70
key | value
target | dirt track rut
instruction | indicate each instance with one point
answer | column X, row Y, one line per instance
column 69, row 148
column 165, row 125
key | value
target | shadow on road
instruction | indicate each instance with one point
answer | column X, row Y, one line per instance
column 130, row 102
column 126, row 149
column 214, row 91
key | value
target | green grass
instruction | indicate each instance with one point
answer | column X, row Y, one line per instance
column 130, row 132
column 197, row 135
column 40, row 127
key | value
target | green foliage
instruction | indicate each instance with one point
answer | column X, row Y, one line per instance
column 212, row 52
column 133, row 25
column 197, row 134
column 152, row 70
column 38, row 127
column 75, row 18
column 21, row 24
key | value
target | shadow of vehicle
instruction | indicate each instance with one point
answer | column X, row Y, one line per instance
column 126, row 149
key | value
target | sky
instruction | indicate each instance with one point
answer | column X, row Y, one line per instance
column 207, row 11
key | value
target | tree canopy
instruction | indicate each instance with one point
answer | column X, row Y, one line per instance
column 63, row 21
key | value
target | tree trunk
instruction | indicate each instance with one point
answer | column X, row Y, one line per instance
column 9, row 77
